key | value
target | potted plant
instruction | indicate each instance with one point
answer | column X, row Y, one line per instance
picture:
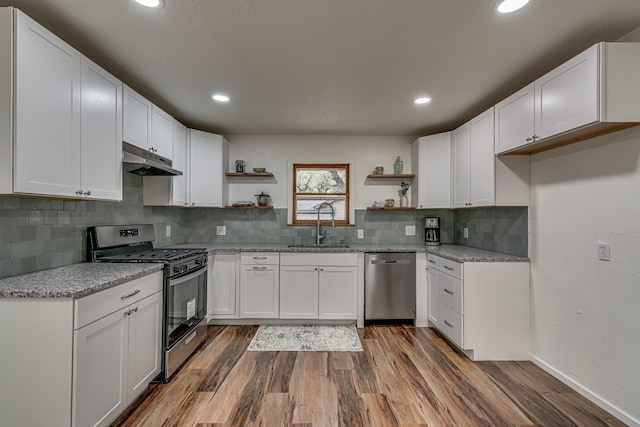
column 404, row 187
column 263, row 198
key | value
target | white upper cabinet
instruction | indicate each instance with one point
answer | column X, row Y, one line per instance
column 145, row 125
column 481, row 179
column 593, row 93
column 431, row 160
column 203, row 160
column 67, row 116
column 100, row 133
column 461, row 160
column 162, row 133
column 47, row 93
column 137, row 113
column 514, row 120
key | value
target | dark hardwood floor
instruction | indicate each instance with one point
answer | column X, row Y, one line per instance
column 406, row 376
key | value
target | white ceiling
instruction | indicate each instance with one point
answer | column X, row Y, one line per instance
column 349, row 67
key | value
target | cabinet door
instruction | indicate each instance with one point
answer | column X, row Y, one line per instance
column 514, row 125
column 482, row 160
column 259, row 291
column 567, row 97
column 136, row 118
column 179, row 183
column 100, row 133
column 161, row 133
column 298, row 292
column 434, row 171
column 338, row 293
column 461, row 153
column 144, row 344
column 100, row 361
column 47, row 110
column 433, row 283
column 206, row 173
column 222, row 286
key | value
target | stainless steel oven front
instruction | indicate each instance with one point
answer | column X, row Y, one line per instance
column 185, row 311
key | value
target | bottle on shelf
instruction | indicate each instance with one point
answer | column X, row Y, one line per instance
column 397, row 166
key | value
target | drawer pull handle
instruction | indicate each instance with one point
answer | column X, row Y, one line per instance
column 136, row 292
column 260, row 268
column 448, row 291
column 260, row 257
column 448, row 324
column 432, row 261
column 448, row 268
column 190, row 337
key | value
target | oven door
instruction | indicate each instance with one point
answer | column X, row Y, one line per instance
column 185, row 301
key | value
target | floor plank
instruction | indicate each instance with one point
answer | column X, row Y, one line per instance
column 405, row 377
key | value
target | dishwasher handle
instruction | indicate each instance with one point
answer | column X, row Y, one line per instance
column 391, row 261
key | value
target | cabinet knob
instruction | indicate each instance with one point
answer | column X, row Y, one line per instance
column 529, row 139
column 79, row 192
column 87, row 193
column 535, row 137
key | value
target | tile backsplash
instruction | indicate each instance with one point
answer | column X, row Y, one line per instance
column 37, row 234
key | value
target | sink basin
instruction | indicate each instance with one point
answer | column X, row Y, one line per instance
column 319, row 246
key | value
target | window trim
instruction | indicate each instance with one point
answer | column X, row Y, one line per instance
column 294, row 193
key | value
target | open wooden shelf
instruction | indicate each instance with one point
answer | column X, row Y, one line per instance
column 248, row 207
column 390, row 175
column 395, row 208
column 250, row 174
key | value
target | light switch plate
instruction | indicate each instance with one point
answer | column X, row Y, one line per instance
column 221, row 230
column 360, row 233
column 409, row 230
column 168, row 231
column 465, row 233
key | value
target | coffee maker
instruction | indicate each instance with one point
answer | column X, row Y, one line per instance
column 432, row 231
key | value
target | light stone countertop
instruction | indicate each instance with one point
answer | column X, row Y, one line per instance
column 457, row 253
column 73, row 281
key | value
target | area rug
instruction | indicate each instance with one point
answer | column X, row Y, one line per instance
column 306, row 338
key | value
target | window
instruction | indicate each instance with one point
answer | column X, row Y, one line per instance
column 323, row 188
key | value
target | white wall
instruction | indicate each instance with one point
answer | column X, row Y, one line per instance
column 277, row 152
column 586, row 312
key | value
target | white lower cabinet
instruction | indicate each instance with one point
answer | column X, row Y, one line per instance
column 481, row 307
column 79, row 362
column 116, row 356
column 259, row 285
column 319, row 286
column 222, row 286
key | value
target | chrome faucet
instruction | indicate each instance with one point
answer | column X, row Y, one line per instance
column 319, row 236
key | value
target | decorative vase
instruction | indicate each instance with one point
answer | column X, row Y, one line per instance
column 404, row 201
column 262, row 201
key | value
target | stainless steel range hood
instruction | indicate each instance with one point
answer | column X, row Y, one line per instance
column 145, row 163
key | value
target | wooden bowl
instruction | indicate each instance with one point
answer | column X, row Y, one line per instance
column 259, row 170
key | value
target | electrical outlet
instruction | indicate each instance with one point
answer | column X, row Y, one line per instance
column 168, row 231
column 409, row 230
column 221, row 230
column 465, row 233
column 360, row 233
column 604, row 251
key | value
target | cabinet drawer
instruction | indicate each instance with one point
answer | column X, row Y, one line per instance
column 95, row 306
column 450, row 323
column 329, row 259
column 452, row 268
column 451, row 292
column 260, row 258
column 433, row 261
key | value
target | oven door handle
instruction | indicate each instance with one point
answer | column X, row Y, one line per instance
column 173, row 282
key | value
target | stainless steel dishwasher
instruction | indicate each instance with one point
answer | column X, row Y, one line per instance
column 390, row 287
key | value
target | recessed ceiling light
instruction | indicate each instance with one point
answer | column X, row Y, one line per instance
column 508, row 6
column 220, row 97
column 150, row 3
column 422, row 100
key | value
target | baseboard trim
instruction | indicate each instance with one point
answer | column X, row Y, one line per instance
column 593, row 397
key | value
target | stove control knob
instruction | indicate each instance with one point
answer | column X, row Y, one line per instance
column 176, row 269
column 184, row 268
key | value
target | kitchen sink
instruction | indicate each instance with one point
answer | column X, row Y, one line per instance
column 319, row 245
